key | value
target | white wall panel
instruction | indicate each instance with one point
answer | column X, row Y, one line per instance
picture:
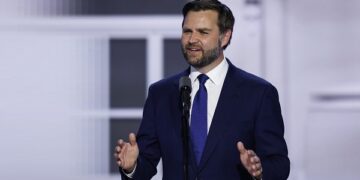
column 48, row 85
column 322, row 41
column 332, row 144
column 55, row 74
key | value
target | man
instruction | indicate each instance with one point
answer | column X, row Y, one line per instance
column 243, row 123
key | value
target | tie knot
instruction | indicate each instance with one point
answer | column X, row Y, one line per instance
column 202, row 78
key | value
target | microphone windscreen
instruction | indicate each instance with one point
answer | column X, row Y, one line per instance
column 185, row 82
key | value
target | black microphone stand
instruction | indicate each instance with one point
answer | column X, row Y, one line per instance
column 186, row 103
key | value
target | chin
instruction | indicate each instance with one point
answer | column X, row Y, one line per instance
column 194, row 61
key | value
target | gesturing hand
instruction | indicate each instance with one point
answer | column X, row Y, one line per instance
column 250, row 161
column 126, row 153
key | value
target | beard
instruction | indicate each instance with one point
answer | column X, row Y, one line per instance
column 207, row 57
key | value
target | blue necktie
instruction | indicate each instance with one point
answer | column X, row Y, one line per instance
column 198, row 125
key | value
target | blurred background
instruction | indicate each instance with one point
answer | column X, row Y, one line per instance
column 74, row 76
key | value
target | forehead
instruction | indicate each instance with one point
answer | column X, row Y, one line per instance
column 205, row 18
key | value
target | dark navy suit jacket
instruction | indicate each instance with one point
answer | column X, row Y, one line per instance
column 248, row 110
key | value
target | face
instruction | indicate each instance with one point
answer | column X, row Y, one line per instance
column 201, row 40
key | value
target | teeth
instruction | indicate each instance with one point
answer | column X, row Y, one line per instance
column 191, row 49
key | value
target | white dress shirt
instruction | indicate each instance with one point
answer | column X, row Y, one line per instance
column 213, row 86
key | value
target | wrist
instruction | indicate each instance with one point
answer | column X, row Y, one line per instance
column 259, row 177
column 130, row 169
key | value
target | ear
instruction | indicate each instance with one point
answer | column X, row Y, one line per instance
column 225, row 38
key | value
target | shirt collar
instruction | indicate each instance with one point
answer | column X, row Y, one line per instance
column 216, row 75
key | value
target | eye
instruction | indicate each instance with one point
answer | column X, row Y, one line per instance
column 186, row 31
column 204, row 32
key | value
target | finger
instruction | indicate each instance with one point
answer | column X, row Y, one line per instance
column 257, row 173
column 254, row 159
column 123, row 153
column 117, row 154
column 118, row 163
column 258, row 166
column 117, row 149
column 241, row 147
column 257, row 159
column 121, row 143
column 132, row 139
column 251, row 153
column 117, row 157
column 255, row 168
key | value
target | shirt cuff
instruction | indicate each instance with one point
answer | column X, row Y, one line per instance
column 254, row 178
column 131, row 174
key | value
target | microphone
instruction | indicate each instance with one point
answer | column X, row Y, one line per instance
column 185, row 90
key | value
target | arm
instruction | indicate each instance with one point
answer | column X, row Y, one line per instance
column 138, row 158
column 149, row 150
column 270, row 145
column 268, row 159
column 126, row 155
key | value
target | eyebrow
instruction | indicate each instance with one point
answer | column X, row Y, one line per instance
column 197, row 29
column 203, row 29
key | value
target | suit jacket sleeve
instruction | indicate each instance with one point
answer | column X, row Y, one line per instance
column 269, row 137
column 149, row 154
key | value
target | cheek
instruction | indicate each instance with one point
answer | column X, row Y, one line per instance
column 211, row 44
column 183, row 40
column 206, row 44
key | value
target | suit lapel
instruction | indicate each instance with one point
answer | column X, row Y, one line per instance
column 221, row 120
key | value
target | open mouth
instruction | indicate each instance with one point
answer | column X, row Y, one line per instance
column 193, row 49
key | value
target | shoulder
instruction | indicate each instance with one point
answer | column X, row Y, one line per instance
column 244, row 78
column 167, row 83
column 253, row 87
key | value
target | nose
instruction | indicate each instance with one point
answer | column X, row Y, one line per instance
column 193, row 38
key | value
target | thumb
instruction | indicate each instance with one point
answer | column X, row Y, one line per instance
column 241, row 147
column 132, row 139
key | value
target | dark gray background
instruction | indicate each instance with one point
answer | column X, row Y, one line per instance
column 127, row 7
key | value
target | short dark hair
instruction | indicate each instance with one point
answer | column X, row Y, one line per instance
column 226, row 18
